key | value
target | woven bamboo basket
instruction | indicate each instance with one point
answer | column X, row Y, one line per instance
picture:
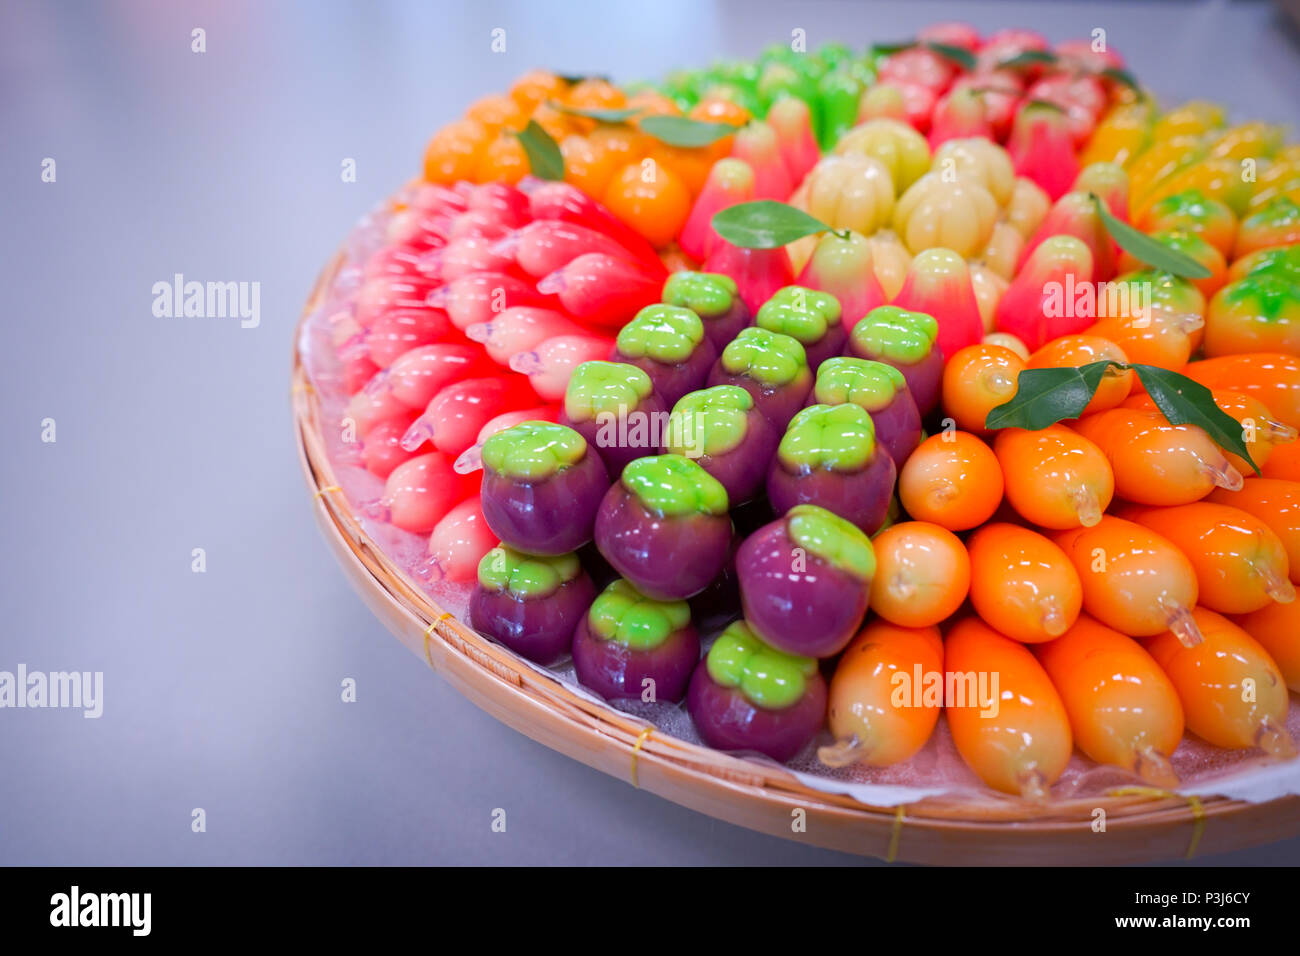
column 1142, row 825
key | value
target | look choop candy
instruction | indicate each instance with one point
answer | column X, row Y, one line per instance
column 395, row 332
column 758, row 273
column 542, row 485
column 712, row 297
column 545, row 245
column 1123, row 710
column 805, row 581
column 1271, row 377
column 748, row 695
column 1232, row 692
column 457, row 543
column 878, row 717
column 976, row 380
column 550, row 364
column 730, row 181
column 1073, row 351
column 808, row 316
column 1260, row 313
column 1022, row 584
column 664, row 526
column 1041, row 146
column 923, row 574
column 471, row 459
column 412, row 381
column 629, row 645
column 1192, row 211
column 603, row 290
column 562, row 201
column 1015, row 733
column 519, row 329
column 482, row 296
column 722, row 430
column 419, row 492
column 909, row 342
column 772, row 367
column 842, row 267
column 530, row 603
column 938, row 283
column 1277, row 629
column 882, row 391
column 1034, row 307
column 669, row 344
column 1054, row 477
column 453, row 417
column 614, row 406
column 952, row 480
column 1276, row 503
column 829, row 457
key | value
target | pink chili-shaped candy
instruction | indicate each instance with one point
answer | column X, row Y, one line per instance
column 480, row 296
column 602, row 289
column 549, row 366
column 397, row 260
column 384, row 293
column 467, row 255
column 396, row 332
column 502, row 202
column 557, row 200
column 471, row 459
column 423, row 372
column 420, row 492
column 458, row 543
column 520, row 329
column 454, row 416
column 545, row 245
column 381, row 449
column 757, row 272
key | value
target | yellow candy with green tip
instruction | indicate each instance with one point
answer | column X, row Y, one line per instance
column 1255, row 140
column 1260, row 313
column 1277, row 224
column 1191, row 119
column 1122, row 134
column 1216, row 178
column 1161, row 159
column 1274, row 179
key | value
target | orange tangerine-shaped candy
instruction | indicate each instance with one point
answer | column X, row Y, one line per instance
column 1022, row 584
column 1277, row 628
column 878, row 717
column 977, row 379
column 1006, row 718
column 650, row 198
column 1272, row 377
column 1283, row 462
column 1133, row 579
column 455, row 150
column 952, row 479
column 503, row 161
column 1054, row 477
column 536, row 87
column 1277, row 504
column 1259, row 430
column 1123, row 708
column 1240, row 563
column 1232, row 692
column 497, row 112
column 922, row 574
column 1156, row 463
column 1072, row 351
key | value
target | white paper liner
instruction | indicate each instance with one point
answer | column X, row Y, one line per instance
column 937, row 770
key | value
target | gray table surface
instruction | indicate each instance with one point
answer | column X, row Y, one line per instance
column 222, row 689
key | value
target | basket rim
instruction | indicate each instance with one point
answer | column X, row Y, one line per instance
column 605, row 727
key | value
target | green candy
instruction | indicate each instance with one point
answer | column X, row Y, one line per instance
column 622, row 613
column 1270, row 297
column 828, row 536
column 1283, row 261
column 665, row 333
column 707, row 294
column 1169, row 293
column 531, row 451
column 674, row 486
column 711, row 421
column 803, row 314
column 838, row 94
column 525, row 575
column 831, row 437
column 767, row 677
column 896, row 334
column 1281, row 214
column 872, row 385
column 782, row 79
column 605, row 388
column 770, row 358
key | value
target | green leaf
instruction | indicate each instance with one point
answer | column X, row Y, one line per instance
column 1185, row 402
column 1151, row 251
column 574, row 78
column 1120, row 76
column 889, row 49
column 686, row 132
column 1045, row 396
column 959, row 55
column 544, row 157
column 765, row 224
column 600, row 116
column 1029, row 58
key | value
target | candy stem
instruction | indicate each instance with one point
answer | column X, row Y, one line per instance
column 1086, row 506
column 842, row 753
column 526, row 363
column 901, row 587
column 1279, row 433
column 1032, row 784
column 1274, row 740
column 479, row 332
column 1224, row 475
column 1154, row 768
column 470, row 460
column 421, row 430
column 378, row 384
column 942, row 492
column 381, row 509
column 1053, row 619
column 1181, row 623
column 998, row 382
column 552, row 284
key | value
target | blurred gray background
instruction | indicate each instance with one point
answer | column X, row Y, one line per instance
column 222, row 690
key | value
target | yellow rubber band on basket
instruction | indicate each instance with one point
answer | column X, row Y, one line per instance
column 640, row 742
column 896, row 833
column 326, row 490
column 303, row 387
column 1193, row 803
column 428, row 636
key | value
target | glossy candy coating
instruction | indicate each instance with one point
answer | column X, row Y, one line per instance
column 1054, row 477
column 667, row 342
column 907, row 341
column 882, row 391
column 721, row 428
column 923, row 574
column 952, row 480
column 712, row 297
column 531, row 604
column 1022, row 584
column 772, row 367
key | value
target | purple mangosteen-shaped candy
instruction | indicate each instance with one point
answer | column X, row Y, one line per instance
column 772, row 367
column 668, row 343
column 805, row 580
column 829, row 457
column 882, row 391
column 810, row 316
column 630, row 646
column 714, row 298
column 615, row 407
column 530, row 603
column 907, row 341
column 748, row 695
column 721, row 429
column 542, row 486
column 664, row 526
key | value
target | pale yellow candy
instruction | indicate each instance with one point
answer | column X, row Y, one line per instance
column 1028, row 207
column 988, row 286
column 850, row 192
column 955, row 215
column 1190, row 119
column 977, row 160
column 1008, row 341
column 902, row 150
column 1003, row 250
column 890, row 261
